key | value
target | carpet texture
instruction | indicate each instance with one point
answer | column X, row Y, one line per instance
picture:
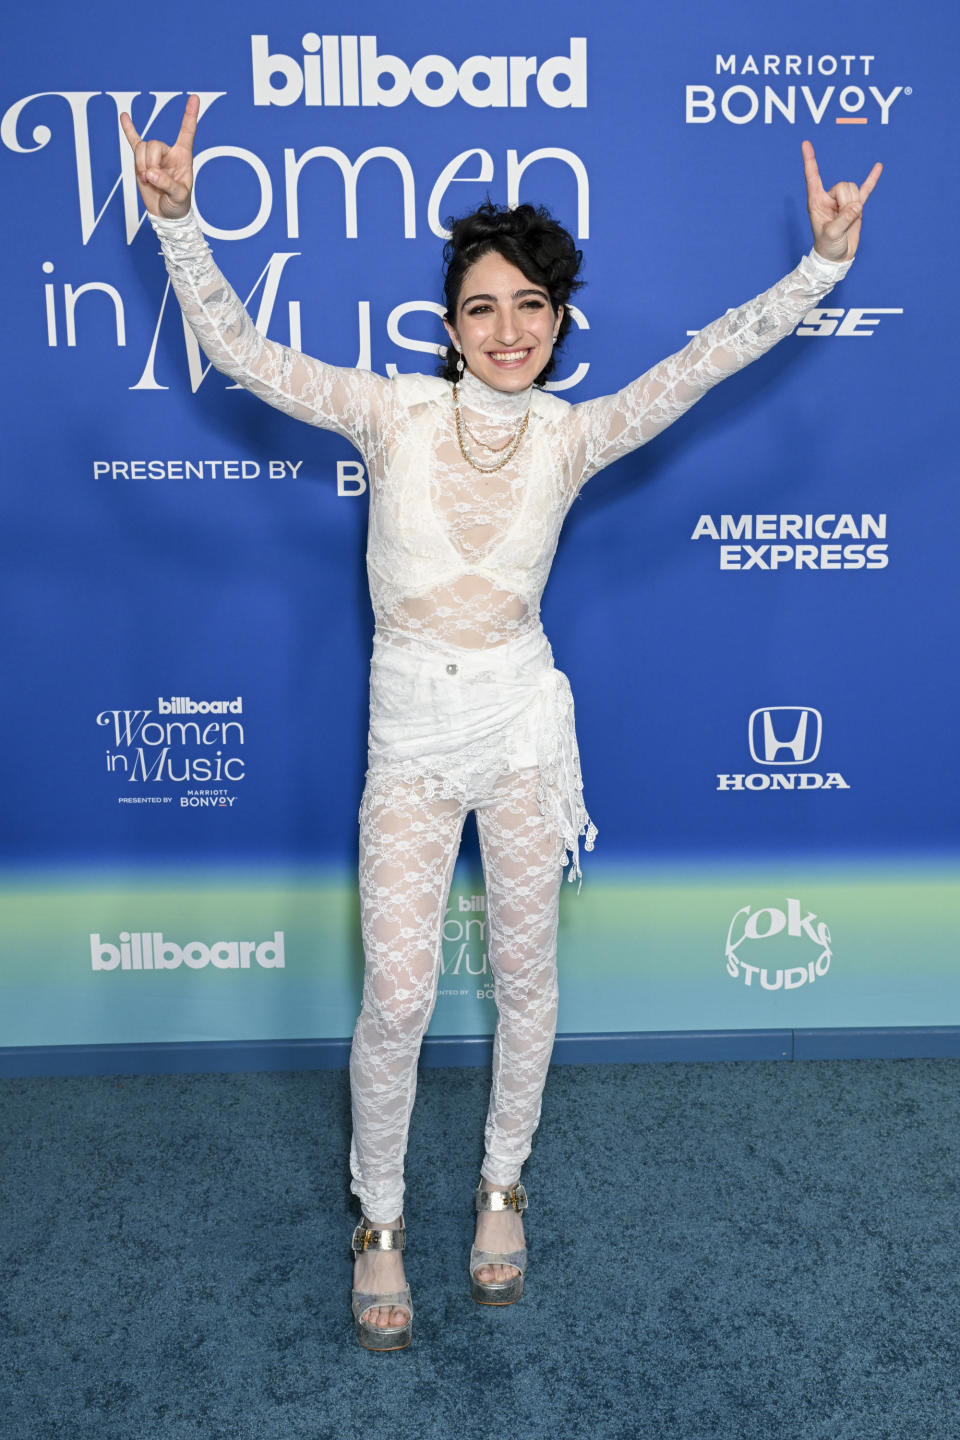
column 743, row 1251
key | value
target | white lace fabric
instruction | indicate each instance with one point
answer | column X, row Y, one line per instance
column 467, row 709
column 454, row 556
column 408, row 845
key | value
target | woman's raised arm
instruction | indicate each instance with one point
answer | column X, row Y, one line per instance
column 609, row 427
column 351, row 402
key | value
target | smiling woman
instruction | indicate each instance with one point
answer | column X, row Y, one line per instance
column 506, row 331
column 469, row 484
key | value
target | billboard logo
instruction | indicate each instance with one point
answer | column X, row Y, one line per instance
column 798, row 732
column 186, row 750
column 766, row 924
column 348, row 70
column 149, row 950
column 183, row 705
column 780, row 736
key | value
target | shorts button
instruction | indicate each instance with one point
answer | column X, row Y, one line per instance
column 451, row 669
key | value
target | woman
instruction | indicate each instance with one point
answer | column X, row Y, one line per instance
column 471, row 475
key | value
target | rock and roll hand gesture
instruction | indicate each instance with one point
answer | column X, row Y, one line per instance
column 165, row 172
column 835, row 214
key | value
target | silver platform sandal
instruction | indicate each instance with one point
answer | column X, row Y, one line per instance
column 380, row 1337
column 500, row 1292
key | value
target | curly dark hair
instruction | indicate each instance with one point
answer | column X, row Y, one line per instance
column 529, row 238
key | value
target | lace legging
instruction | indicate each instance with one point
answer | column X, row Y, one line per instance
column 408, row 845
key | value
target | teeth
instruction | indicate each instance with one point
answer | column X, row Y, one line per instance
column 507, row 354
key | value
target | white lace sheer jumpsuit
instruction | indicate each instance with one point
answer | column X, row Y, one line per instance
column 467, row 711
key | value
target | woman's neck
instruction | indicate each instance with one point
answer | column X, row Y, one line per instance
column 500, row 407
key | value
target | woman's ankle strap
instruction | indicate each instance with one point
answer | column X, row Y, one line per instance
column 376, row 1237
column 513, row 1199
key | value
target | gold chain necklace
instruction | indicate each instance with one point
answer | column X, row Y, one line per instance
column 484, row 444
column 514, row 445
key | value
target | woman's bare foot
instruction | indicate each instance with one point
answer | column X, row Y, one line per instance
column 502, row 1232
column 380, row 1272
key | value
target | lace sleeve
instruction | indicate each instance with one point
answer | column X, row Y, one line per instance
column 611, row 426
column 350, row 402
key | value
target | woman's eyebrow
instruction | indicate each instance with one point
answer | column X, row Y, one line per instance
column 515, row 296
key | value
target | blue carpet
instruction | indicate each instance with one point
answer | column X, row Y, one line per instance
column 746, row 1251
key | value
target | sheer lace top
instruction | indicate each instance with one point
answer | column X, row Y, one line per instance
column 457, row 557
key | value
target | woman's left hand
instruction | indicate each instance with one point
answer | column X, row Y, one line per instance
column 835, row 214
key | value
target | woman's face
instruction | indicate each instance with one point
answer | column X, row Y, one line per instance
column 505, row 324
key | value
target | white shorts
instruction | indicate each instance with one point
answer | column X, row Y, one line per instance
column 452, row 718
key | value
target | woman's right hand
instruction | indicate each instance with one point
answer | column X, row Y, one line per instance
column 165, row 172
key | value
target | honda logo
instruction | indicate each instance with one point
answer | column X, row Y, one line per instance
column 785, row 735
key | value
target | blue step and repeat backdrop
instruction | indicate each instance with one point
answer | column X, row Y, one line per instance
column 757, row 612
